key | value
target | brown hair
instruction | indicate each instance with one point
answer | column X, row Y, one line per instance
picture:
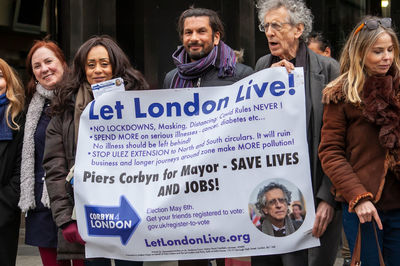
column 52, row 46
column 215, row 22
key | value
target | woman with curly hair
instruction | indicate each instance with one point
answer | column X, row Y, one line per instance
column 98, row 59
column 11, row 134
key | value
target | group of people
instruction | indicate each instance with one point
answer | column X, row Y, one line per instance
column 38, row 144
column 352, row 123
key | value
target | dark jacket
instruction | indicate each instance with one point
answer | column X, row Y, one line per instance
column 10, row 164
column 59, row 157
column 320, row 71
column 211, row 78
column 10, row 167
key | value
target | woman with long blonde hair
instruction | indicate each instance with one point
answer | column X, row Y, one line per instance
column 360, row 139
column 11, row 134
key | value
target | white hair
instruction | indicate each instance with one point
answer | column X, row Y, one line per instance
column 297, row 10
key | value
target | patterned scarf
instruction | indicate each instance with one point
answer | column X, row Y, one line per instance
column 221, row 57
column 27, row 197
column 5, row 130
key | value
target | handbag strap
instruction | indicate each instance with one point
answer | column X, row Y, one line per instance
column 381, row 261
column 356, row 258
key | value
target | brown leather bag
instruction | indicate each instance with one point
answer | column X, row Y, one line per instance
column 355, row 259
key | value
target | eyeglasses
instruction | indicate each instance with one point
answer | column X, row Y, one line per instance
column 373, row 24
column 274, row 25
column 275, row 201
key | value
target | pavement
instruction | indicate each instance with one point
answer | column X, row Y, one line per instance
column 29, row 256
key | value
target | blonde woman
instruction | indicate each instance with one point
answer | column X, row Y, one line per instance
column 360, row 138
column 11, row 134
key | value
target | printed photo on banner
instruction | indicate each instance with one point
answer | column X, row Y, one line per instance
column 274, row 205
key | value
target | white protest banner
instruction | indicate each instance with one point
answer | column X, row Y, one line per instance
column 175, row 174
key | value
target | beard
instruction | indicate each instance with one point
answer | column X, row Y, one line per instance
column 197, row 55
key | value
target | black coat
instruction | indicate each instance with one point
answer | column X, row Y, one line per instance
column 320, row 71
column 211, row 79
column 10, row 164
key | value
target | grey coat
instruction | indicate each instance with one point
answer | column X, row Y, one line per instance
column 321, row 70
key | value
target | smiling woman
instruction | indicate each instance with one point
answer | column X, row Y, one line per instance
column 98, row 59
column 46, row 66
column 98, row 67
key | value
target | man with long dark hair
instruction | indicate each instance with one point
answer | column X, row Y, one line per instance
column 203, row 60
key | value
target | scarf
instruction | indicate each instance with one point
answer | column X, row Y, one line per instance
column 83, row 98
column 382, row 107
column 381, row 102
column 222, row 57
column 35, row 108
column 5, row 130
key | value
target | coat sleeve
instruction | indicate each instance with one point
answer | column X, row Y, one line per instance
column 243, row 71
column 332, row 153
column 168, row 79
column 324, row 190
column 262, row 62
column 55, row 164
column 9, row 192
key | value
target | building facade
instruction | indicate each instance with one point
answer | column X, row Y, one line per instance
column 146, row 30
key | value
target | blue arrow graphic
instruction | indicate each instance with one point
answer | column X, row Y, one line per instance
column 112, row 221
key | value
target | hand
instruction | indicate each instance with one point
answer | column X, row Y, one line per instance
column 284, row 63
column 365, row 211
column 71, row 234
column 323, row 217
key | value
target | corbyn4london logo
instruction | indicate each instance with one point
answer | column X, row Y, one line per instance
column 107, row 221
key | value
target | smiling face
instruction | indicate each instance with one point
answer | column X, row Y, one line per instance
column 282, row 43
column 3, row 83
column 47, row 68
column 198, row 38
column 380, row 56
column 98, row 66
column 276, row 206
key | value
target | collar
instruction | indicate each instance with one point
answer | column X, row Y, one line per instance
column 278, row 228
